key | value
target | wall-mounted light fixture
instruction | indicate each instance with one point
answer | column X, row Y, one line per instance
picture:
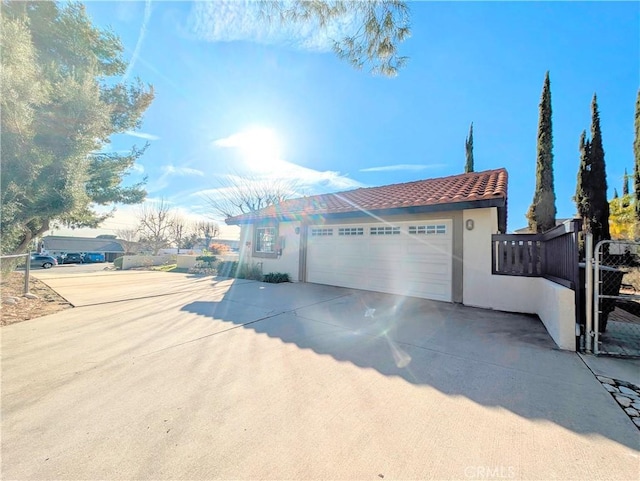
column 469, row 224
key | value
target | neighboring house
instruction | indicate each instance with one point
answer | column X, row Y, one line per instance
column 526, row 230
column 60, row 245
column 429, row 238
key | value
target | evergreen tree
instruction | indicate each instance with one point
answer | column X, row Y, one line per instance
column 591, row 189
column 615, row 193
column 542, row 213
column 582, row 184
column 468, row 146
column 625, row 184
column 636, row 155
column 61, row 100
column 600, row 205
column 626, row 198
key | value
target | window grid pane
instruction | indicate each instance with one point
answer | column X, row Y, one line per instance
column 428, row 229
column 265, row 239
column 321, row 232
column 384, row 230
column 351, row 231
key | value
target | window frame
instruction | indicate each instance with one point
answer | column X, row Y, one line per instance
column 351, row 231
column 428, row 229
column 321, row 232
column 381, row 231
column 257, row 228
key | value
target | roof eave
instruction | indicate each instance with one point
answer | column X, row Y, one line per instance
column 499, row 201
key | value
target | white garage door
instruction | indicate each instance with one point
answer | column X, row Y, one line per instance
column 407, row 258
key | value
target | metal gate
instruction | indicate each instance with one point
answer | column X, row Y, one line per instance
column 616, row 299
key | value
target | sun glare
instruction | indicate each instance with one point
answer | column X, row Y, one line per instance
column 260, row 148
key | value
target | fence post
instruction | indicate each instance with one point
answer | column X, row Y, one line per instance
column 589, row 294
column 27, row 270
column 596, row 297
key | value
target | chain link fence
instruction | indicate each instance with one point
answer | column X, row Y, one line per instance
column 616, row 297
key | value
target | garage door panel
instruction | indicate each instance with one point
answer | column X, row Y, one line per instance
column 431, row 276
column 429, row 248
column 418, row 265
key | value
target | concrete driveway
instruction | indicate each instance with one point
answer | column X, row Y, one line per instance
column 168, row 376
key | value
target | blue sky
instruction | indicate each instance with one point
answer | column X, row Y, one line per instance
column 234, row 96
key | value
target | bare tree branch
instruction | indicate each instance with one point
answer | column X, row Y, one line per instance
column 240, row 194
column 207, row 231
column 128, row 238
column 155, row 223
column 180, row 229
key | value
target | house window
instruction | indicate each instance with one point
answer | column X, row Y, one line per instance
column 351, row 231
column 384, row 231
column 321, row 232
column 428, row 229
column 266, row 240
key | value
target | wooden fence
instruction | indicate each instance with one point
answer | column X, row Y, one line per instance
column 552, row 255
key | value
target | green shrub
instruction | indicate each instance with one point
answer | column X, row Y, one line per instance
column 227, row 268
column 209, row 260
column 117, row 262
column 252, row 272
column 276, row 277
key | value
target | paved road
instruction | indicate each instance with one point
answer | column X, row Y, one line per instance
column 168, row 376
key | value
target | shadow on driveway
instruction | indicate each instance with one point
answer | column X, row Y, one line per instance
column 492, row 358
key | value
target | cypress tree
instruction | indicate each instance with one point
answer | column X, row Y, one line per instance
column 468, row 146
column 636, row 155
column 626, row 198
column 598, row 198
column 542, row 213
column 615, row 193
column 625, row 184
column 582, row 184
column 591, row 189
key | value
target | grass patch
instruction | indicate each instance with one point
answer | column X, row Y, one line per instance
column 170, row 268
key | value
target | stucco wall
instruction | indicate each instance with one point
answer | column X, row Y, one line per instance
column 556, row 309
column 553, row 303
column 129, row 262
column 186, row 261
column 287, row 262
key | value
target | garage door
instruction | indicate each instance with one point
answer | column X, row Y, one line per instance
column 407, row 258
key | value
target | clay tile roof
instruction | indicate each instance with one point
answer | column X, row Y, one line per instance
column 474, row 186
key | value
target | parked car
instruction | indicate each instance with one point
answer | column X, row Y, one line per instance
column 93, row 257
column 46, row 262
column 72, row 258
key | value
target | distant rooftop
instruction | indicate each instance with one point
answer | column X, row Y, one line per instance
column 81, row 244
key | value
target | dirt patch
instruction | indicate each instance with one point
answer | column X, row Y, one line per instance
column 48, row 301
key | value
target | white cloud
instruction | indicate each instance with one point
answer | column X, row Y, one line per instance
column 304, row 181
column 234, row 140
column 169, row 171
column 181, row 171
column 139, row 168
column 229, row 20
column 141, row 35
column 316, row 181
column 142, row 135
column 260, row 149
column 396, row 167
